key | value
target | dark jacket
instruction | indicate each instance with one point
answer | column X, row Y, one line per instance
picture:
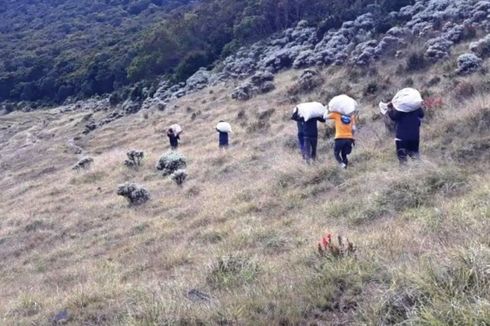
column 300, row 122
column 310, row 127
column 174, row 140
column 407, row 123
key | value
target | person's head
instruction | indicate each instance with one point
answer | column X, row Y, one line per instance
column 170, row 131
column 221, row 121
column 390, row 106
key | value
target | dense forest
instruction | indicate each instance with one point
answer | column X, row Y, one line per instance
column 55, row 49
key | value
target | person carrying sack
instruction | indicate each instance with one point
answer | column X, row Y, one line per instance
column 406, row 111
column 223, row 128
column 342, row 110
column 309, row 114
column 345, row 126
column 173, row 134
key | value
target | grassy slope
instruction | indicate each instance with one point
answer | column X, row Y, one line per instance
column 67, row 240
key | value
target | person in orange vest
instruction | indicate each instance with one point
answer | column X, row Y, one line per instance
column 345, row 126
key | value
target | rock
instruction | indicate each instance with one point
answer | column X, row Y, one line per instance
column 83, row 164
column 197, row 296
column 61, row 317
column 468, row 63
column 481, row 47
column 135, row 194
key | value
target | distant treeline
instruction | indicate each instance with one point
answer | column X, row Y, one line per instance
column 55, row 49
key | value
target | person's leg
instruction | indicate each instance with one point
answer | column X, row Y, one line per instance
column 413, row 149
column 301, row 142
column 346, row 150
column 401, row 151
column 337, row 150
column 307, row 149
column 314, row 142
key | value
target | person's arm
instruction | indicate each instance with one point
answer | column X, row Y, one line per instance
column 393, row 114
column 421, row 113
column 295, row 116
column 322, row 120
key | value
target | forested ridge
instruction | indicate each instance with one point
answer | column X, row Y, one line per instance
column 54, row 50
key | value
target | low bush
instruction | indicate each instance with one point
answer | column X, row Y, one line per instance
column 179, row 177
column 171, row 162
column 134, row 158
column 416, row 62
column 135, row 194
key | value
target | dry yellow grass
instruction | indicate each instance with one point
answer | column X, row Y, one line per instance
column 243, row 228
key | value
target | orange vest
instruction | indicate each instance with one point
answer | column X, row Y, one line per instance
column 342, row 130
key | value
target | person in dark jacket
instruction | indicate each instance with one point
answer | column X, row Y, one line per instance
column 301, row 137
column 174, row 138
column 223, row 139
column 310, row 133
column 407, row 125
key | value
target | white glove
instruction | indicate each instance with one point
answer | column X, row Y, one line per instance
column 383, row 107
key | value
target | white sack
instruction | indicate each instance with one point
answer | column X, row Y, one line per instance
column 311, row 110
column 343, row 104
column 407, row 100
column 176, row 129
column 224, row 127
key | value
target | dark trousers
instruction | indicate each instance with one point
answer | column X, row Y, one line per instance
column 223, row 140
column 301, row 142
column 343, row 147
column 309, row 149
column 174, row 142
column 405, row 148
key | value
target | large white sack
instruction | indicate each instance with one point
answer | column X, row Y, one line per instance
column 223, row 127
column 407, row 100
column 311, row 110
column 176, row 129
column 343, row 104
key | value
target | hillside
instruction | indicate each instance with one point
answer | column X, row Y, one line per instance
column 237, row 242
column 52, row 49
column 60, row 51
column 243, row 230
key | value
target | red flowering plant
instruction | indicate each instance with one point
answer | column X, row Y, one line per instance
column 327, row 247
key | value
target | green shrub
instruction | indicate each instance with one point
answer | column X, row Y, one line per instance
column 171, row 162
column 416, row 62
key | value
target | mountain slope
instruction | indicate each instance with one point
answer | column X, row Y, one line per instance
column 58, row 50
column 237, row 244
column 55, row 49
